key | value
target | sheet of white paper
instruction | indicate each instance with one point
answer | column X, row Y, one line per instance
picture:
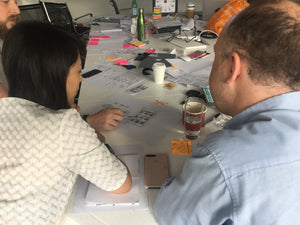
column 114, row 77
column 192, row 66
column 133, row 156
column 129, row 54
column 195, row 73
column 174, row 72
column 115, row 40
column 132, row 161
column 149, row 129
column 97, row 197
column 110, row 27
column 189, row 24
column 107, row 45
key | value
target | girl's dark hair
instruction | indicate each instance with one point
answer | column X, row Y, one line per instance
column 36, row 60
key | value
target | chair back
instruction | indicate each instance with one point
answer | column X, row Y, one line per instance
column 59, row 15
column 32, row 12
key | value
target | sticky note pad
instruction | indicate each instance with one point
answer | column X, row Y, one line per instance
column 150, row 50
column 104, row 37
column 94, row 40
column 181, row 147
column 127, row 46
column 95, row 37
column 138, row 44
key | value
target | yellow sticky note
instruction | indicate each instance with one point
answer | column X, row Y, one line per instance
column 181, row 147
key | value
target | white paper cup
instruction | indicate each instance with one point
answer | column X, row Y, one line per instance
column 159, row 72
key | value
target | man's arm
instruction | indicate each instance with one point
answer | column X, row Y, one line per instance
column 198, row 195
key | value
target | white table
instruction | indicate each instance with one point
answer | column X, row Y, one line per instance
column 91, row 95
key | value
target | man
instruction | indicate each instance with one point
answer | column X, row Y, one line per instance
column 106, row 119
column 249, row 172
column 9, row 15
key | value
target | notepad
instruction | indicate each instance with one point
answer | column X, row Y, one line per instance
column 90, row 198
column 99, row 198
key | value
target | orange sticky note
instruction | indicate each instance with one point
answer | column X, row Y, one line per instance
column 160, row 103
column 181, row 147
column 110, row 58
column 169, row 85
column 174, row 67
column 138, row 44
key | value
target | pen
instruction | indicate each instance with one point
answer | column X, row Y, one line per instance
column 214, row 117
column 115, row 204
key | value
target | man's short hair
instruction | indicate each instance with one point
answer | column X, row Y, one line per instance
column 36, row 60
column 268, row 36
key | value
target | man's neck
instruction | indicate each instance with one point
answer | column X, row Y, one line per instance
column 258, row 93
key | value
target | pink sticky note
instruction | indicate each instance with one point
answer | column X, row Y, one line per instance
column 104, row 37
column 127, row 46
column 93, row 42
column 121, row 62
column 150, row 50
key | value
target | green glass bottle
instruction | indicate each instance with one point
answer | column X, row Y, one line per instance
column 134, row 8
column 141, row 25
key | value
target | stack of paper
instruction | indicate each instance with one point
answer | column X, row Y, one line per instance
column 90, row 198
column 190, row 45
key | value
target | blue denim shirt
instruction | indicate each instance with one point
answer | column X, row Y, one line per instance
column 247, row 173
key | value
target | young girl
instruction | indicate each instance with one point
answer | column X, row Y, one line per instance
column 44, row 143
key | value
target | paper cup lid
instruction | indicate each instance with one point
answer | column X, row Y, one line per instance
column 190, row 4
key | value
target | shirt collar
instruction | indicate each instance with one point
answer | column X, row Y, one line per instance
column 288, row 101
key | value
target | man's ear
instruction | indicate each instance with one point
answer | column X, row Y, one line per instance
column 236, row 64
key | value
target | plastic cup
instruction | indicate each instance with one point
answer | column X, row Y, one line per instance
column 194, row 111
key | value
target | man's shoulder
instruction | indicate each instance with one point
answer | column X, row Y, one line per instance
column 258, row 143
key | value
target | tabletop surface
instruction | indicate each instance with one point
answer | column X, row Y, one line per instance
column 91, row 95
